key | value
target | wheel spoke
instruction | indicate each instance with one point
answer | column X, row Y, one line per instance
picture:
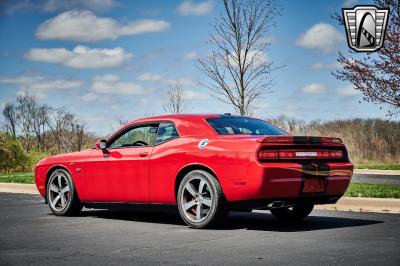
column 190, row 188
column 189, row 205
column 201, row 186
column 64, row 190
column 207, row 202
column 63, row 201
column 198, row 212
column 54, row 188
column 56, row 199
column 59, row 181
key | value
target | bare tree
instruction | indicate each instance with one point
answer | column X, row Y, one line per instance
column 237, row 66
column 26, row 106
column 10, row 115
column 174, row 102
column 377, row 76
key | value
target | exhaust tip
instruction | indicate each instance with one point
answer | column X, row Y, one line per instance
column 278, row 204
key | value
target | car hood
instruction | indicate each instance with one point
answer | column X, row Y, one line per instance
column 66, row 157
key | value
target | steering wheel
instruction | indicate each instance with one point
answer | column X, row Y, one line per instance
column 140, row 143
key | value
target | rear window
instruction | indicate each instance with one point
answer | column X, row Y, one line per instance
column 243, row 125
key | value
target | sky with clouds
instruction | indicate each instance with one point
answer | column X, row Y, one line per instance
column 111, row 60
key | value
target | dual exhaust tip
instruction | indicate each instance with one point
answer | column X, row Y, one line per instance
column 284, row 204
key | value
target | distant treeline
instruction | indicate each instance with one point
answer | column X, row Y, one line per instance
column 369, row 141
column 32, row 130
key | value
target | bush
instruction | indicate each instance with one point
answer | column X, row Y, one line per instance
column 12, row 155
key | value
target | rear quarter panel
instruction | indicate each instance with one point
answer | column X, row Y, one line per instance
column 228, row 159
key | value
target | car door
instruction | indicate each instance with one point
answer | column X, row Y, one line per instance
column 120, row 172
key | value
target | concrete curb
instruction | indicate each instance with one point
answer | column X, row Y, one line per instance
column 376, row 172
column 344, row 204
column 364, row 205
column 19, row 188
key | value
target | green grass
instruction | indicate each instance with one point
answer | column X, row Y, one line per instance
column 26, row 178
column 379, row 167
column 373, row 190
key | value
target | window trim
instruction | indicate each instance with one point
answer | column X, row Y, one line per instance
column 130, row 127
column 218, row 134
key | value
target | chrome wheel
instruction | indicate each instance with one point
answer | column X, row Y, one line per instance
column 196, row 199
column 59, row 191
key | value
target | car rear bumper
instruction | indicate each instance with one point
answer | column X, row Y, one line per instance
column 276, row 181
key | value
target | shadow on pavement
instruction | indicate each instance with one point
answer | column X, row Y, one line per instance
column 237, row 220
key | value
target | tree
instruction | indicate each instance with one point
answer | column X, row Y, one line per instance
column 174, row 102
column 237, row 66
column 377, row 76
column 10, row 115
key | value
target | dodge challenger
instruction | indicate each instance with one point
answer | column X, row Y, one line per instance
column 204, row 164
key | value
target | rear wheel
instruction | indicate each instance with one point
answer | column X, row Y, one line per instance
column 297, row 212
column 61, row 194
column 200, row 200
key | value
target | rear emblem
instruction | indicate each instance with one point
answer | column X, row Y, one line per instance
column 203, row 143
column 306, row 154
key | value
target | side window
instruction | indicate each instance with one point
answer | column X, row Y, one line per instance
column 136, row 137
column 166, row 131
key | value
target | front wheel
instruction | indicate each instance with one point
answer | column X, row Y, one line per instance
column 200, row 200
column 298, row 212
column 61, row 194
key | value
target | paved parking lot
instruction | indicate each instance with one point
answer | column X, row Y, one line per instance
column 31, row 235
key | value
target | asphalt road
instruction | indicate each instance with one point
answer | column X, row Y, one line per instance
column 376, row 179
column 31, row 235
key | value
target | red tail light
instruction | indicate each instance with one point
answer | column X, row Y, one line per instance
column 300, row 154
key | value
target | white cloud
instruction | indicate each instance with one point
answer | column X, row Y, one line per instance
column 194, row 95
column 254, row 57
column 332, row 66
column 87, row 27
column 347, row 91
column 187, row 8
column 112, row 84
column 80, row 56
column 57, row 5
column 40, row 86
column 156, row 78
column 190, row 56
column 314, row 88
column 349, row 3
column 322, row 36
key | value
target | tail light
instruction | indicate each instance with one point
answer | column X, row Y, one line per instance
column 299, row 154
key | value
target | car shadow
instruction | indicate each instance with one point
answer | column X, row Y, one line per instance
column 237, row 220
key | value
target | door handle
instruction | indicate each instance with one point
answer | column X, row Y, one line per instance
column 143, row 154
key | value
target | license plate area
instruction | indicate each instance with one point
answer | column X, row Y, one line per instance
column 313, row 185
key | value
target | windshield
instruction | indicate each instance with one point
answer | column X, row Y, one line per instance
column 227, row 125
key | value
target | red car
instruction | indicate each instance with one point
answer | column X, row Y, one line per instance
column 204, row 164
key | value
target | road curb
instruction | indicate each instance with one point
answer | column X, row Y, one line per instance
column 19, row 188
column 359, row 204
column 356, row 204
column 376, row 172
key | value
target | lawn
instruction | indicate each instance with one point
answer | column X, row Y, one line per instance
column 373, row 190
column 379, row 167
column 26, row 178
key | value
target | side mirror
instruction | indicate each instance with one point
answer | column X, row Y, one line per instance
column 101, row 144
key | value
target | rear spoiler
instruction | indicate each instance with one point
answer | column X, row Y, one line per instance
column 300, row 140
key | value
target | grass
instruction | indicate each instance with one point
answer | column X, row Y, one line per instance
column 373, row 190
column 379, row 167
column 25, row 178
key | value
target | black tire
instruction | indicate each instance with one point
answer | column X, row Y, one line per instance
column 298, row 212
column 218, row 209
column 72, row 205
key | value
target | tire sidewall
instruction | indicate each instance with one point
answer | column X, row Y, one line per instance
column 215, row 200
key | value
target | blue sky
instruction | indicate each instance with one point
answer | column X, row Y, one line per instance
column 113, row 59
